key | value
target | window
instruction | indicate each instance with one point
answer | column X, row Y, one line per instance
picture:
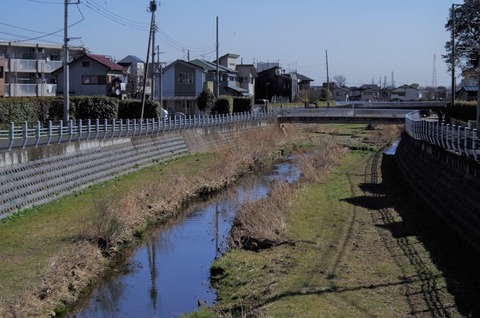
column 1, row 71
column 86, row 64
column 185, row 78
column 94, row 80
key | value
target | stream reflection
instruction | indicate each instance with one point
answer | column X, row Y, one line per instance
column 169, row 274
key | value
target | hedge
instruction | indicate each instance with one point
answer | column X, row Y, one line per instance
column 242, row 104
column 223, row 105
column 463, row 111
column 43, row 109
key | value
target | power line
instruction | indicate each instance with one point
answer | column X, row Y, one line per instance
column 114, row 17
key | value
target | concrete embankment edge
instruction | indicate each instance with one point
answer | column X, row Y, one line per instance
column 35, row 176
column 447, row 182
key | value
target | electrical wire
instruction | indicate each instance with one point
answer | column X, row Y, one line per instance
column 115, row 18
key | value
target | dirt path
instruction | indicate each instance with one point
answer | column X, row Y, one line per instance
column 388, row 244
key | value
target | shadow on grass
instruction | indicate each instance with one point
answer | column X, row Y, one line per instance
column 454, row 258
column 458, row 262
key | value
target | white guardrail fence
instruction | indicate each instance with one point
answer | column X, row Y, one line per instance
column 462, row 140
column 25, row 135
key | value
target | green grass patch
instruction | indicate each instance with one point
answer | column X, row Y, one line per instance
column 341, row 264
column 31, row 238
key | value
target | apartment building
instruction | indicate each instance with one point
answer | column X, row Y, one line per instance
column 28, row 67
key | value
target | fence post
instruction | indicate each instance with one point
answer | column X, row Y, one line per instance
column 38, row 133
column 128, row 127
column 60, row 131
column 134, row 126
column 97, row 128
column 25, row 134
column 113, row 128
column 120, row 132
column 80, row 130
column 474, row 144
column 89, row 128
column 11, row 134
column 70, row 130
column 50, row 132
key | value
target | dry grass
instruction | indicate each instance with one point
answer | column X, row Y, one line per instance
column 113, row 218
column 260, row 224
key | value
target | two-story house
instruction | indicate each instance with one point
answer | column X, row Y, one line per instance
column 28, row 67
column 469, row 89
column 182, row 83
column 242, row 83
column 227, row 85
column 93, row 74
column 136, row 71
column 277, row 84
column 406, row 93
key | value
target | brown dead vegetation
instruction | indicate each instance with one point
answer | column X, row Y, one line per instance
column 260, row 224
column 116, row 221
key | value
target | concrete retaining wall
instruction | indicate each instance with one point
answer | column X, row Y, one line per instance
column 447, row 182
column 34, row 176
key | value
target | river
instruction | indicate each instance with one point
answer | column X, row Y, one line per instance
column 169, row 274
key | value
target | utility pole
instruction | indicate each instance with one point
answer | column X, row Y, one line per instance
column 328, row 80
column 66, row 82
column 217, row 83
column 478, row 86
column 154, row 26
column 453, row 89
column 152, row 8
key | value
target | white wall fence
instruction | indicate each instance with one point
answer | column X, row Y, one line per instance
column 28, row 135
column 461, row 140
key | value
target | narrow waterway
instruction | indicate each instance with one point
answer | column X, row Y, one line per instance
column 169, row 274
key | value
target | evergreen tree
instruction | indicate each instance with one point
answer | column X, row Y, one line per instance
column 206, row 100
column 464, row 23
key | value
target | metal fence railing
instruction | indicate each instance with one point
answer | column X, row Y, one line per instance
column 28, row 135
column 461, row 140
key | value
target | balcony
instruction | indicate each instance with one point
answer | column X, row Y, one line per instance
column 33, row 66
column 30, row 90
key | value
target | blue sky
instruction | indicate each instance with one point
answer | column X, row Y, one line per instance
column 366, row 40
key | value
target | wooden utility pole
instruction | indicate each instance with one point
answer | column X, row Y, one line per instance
column 66, row 82
column 217, row 83
column 328, row 80
column 153, row 8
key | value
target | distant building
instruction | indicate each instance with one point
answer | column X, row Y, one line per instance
column 182, row 84
column 93, row 74
column 469, row 87
column 406, row 93
column 136, row 71
column 281, row 86
column 28, row 67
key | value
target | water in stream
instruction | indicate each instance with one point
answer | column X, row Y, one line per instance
column 169, row 274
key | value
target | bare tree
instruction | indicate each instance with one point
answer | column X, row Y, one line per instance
column 340, row 80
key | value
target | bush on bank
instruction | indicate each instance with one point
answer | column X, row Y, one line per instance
column 462, row 110
column 44, row 109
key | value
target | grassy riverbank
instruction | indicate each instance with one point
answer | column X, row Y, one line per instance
column 359, row 245
column 42, row 243
column 52, row 253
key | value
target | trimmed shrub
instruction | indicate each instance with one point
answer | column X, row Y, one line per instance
column 242, row 104
column 223, row 105
column 17, row 109
column 463, row 111
column 132, row 108
column 93, row 107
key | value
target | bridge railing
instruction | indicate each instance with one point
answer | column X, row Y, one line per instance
column 462, row 140
column 28, row 135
